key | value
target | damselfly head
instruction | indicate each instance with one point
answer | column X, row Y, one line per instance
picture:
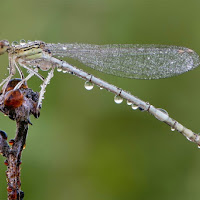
column 4, row 46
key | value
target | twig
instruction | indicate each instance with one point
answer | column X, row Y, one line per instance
column 18, row 105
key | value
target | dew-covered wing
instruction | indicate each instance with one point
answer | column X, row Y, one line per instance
column 131, row 61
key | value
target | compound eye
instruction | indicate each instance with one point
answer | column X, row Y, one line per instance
column 4, row 46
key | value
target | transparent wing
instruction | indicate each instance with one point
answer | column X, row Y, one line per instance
column 131, row 61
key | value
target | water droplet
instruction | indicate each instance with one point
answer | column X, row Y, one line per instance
column 88, row 85
column 189, row 139
column 64, row 48
column 172, row 129
column 163, row 110
column 129, row 103
column 22, row 42
column 65, row 71
column 134, row 106
column 161, row 114
column 59, row 69
column 118, row 99
column 14, row 43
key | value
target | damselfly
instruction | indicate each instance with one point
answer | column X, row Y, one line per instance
column 125, row 60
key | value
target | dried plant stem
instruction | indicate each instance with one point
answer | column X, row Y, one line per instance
column 18, row 106
column 14, row 161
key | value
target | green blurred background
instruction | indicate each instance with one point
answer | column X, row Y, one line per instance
column 86, row 147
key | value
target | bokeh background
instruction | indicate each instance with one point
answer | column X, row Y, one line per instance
column 86, row 147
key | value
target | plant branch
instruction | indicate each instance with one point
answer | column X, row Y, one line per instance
column 18, row 105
